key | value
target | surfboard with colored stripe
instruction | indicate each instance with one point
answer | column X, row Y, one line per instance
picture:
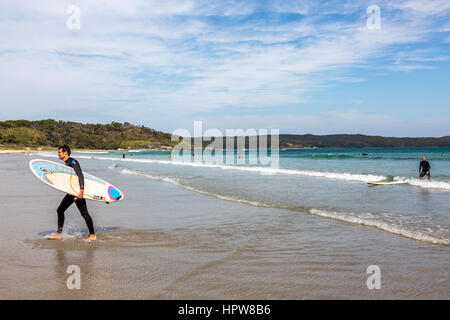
column 64, row 178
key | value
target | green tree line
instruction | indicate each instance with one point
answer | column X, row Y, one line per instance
column 52, row 133
column 359, row 141
column 328, row 141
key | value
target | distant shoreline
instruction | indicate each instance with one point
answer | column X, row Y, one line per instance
column 43, row 149
column 322, row 148
column 15, row 151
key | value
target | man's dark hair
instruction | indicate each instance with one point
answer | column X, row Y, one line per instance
column 65, row 148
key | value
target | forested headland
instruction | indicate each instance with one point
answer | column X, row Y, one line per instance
column 52, row 133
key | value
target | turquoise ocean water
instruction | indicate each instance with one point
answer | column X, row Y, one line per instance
column 330, row 183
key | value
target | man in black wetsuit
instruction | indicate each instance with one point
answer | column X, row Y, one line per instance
column 64, row 154
column 424, row 169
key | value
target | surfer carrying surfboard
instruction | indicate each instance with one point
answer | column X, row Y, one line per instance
column 424, row 168
column 64, row 154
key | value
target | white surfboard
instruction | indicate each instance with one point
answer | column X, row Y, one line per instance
column 386, row 183
column 64, row 178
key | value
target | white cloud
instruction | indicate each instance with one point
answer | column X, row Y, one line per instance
column 420, row 7
column 173, row 57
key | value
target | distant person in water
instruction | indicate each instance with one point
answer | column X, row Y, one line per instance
column 123, row 155
column 424, row 168
column 64, row 154
column 442, row 155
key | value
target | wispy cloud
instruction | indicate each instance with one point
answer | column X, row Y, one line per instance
column 159, row 58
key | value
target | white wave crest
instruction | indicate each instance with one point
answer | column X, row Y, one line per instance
column 430, row 184
column 177, row 183
column 46, row 154
column 263, row 170
column 425, row 183
column 416, row 235
column 89, row 152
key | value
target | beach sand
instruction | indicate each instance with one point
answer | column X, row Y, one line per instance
column 164, row 242
column 13, row 151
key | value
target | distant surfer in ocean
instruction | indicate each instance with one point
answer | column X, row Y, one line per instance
column 424, row 168
column 64, row 154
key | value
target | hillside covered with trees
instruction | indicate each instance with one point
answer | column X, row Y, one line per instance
column 291, row 141
column 52, row 133
column 358, row 141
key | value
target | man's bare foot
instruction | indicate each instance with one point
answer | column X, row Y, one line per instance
column 92, row 237
column 55, row 236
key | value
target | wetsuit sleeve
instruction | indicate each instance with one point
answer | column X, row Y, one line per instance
column 76, row 167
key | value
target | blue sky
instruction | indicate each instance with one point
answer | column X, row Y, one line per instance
column 297, row 66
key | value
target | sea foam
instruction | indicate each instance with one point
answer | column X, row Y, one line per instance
column 367, row 219
column 382, row 225
column 262, row 170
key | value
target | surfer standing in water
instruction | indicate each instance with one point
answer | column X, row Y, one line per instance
column 424, row 168
column 64, row 154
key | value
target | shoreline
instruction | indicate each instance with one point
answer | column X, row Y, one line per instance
column 4, row 149
column 16, row 151
column 42, row 149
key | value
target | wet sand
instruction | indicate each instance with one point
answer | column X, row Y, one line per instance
column 164, row 242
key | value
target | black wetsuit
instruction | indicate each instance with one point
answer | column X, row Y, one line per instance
column 69, row 200
column 424, row 168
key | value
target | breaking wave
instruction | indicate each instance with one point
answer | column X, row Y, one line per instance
column 373, row 221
